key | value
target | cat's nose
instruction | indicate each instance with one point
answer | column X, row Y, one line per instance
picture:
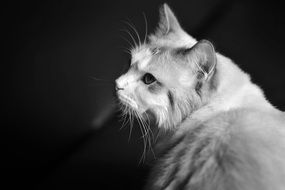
column 118, row 86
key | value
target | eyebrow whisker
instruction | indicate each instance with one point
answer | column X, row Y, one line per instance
column 145, row 19
column 130, row 24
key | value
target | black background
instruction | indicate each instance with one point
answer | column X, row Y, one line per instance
column 49, row 135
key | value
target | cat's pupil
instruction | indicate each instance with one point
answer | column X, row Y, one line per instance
column 148, row 78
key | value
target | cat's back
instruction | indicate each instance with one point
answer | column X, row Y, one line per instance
column 238, row 150
column 254, row 141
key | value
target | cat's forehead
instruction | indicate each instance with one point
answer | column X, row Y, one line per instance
column 141, row 57
column 153, row 59
column 142, row 54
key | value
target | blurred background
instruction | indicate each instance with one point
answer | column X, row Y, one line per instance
column 58, row 127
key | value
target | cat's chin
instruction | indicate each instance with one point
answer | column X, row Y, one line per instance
column 132, row 105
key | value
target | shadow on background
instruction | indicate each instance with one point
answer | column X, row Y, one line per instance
column 48, row 137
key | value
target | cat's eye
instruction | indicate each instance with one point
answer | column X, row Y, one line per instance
column 148, row 78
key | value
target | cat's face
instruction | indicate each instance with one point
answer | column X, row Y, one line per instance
column 164, row 73
column 153, row 77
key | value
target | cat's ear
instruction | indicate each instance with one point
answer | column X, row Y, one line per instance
column 203, row 56
column 167, row 21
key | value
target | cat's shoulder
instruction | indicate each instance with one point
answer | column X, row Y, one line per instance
column 249, row 119
column 237, row 149
column 248, row 125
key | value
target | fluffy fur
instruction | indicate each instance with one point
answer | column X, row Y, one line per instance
column 222, row 133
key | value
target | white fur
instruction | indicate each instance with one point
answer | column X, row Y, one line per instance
column 141, row 57
column 262, row 128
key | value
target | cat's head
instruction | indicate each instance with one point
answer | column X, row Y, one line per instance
column 169, row 76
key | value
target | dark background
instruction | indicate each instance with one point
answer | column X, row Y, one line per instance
column 53, row 131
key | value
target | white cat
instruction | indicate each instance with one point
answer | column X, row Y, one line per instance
column 222, row 133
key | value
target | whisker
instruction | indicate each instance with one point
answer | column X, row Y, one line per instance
column 131, row 118
column 130, row 24
column 125, row 121
column 146, row 132
column 128, row 116
column 144, row 16
column 149, row 134
column 128, row 32
column 102, row 80
column 125, row 49
column 128, row 41
column 148, row 122
column 143, row 136
column 131, row 129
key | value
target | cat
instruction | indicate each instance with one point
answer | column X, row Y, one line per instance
column 216, row 129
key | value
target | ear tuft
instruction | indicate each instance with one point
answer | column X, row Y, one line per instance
column 205, row 57
column 167, row 21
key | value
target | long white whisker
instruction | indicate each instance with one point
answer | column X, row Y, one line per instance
column 134, row 29
column 143, row 136
column 148, row 124
column 124, row 30
column 144, row 125
column 128, row 41
column 126, row 51
column 131, row 119
column 145, row 27
column 149, row 134
column 125, row 121
column 130, row 132
column 101, row 80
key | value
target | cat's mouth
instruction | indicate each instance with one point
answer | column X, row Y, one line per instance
column 127, row 101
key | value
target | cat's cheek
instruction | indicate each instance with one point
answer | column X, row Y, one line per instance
column 159, row 101
column 150, row 101
column 141, row 98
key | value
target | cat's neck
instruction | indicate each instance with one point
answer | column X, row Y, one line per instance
column 234, row 90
